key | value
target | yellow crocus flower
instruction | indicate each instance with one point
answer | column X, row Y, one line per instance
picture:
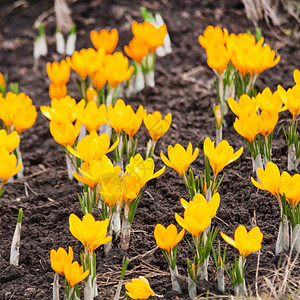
column 60, row 258
column 9, row 141
column 133, row 188
column 91, row 95
column 238, row 47
column 104, row 38
column 17, row 110
column 270, row 179
column 245, row 242
column 291, row 99
column 59, row 73
column 139, row 288
column 89, row 232
column 213, row 36
column 260, row 58
column 269, row 102
column 154, row 37
column 120, row 116
column 24, row 117
column 116, row 69
column 212, row 205
column 8, row 165
column 196, row 218
column 269, row 122
column 143, row 170
column 248, row 126
column 179, row 158
column 98, row 171
column 137, row 49
column 112, row 190
column 93, row 147
column 132, row 127
column 91, row 116
column 167, row 238
column 74, row 273
column 290, row 187
column 221, row 156
column 87, row 62
column 86, row 177
column 99, row 80
column 61, row 110
column 217, row 58
column 65, row 133
column 245, row 105
column 57, row 91
column 156, row 125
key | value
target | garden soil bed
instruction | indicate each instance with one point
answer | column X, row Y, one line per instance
column 184, row 87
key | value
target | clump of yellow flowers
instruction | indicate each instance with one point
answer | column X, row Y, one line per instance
column 255, row 121
column 17, row 114
column 237, row 61
column 216, row 158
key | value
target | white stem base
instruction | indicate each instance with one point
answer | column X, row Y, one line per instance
column 283, row 240
column 15, row 246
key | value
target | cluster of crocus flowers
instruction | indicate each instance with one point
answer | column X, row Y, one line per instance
column 286, row 189
column 62, row 263
column 59, row 74
column 105, row 184
column 250, row 58
column 246, row 243
column 256, row 119
column 216, row 158
column 147, row 38
column 17, row 114
column 167, row 240
column 101, row 70
column 291, row 101
column 237, row 60
column 198, row 214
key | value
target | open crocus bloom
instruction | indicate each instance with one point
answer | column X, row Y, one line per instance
column 89, row 232
column 74, row 273
column 8, row 165
column 9, row 141
column 156, row 125
column 270, row 179
column 143, row 170
column 179, row 158
column 167, row 238
column 213, row 36
column 221, row 156
column 60, row 258
column 59, row 73
column 245, row 242
column 93, row 147
column 290, row 187
column 104, row 38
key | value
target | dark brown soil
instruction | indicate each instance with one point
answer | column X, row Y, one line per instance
column 48, row 197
